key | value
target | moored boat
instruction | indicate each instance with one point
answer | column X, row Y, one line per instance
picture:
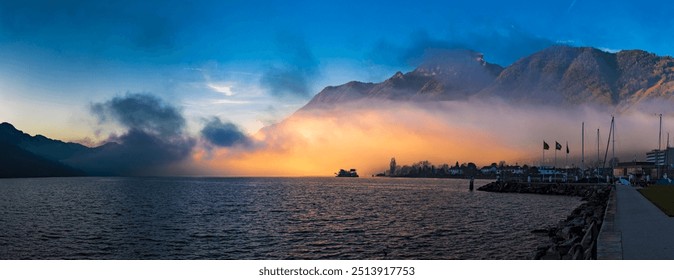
column 344, row 173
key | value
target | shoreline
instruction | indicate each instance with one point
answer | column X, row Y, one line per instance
column 574, row 238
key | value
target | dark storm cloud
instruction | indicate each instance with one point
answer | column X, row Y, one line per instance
column 155, row 137
column 292, row 78
column 223, row 134
column 137, row 153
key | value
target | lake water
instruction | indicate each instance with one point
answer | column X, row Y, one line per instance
column 269, row 218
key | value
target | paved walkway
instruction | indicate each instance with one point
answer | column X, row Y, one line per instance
column 647, row 233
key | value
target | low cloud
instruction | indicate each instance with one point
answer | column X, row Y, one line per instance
column 365, row 135
column 223, row 134
column 154, row 137
column 292, row 78
column 502, row 43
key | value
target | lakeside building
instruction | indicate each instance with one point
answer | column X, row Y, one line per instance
column 662, row 159
column 655, row 156
column 455, row 171
column 636, row 169
column 547, row 170
column 489, row 170
column 514, row 170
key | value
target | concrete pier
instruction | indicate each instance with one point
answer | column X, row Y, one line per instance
column 646, row 233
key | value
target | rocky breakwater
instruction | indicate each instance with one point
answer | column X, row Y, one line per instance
column 574, row 238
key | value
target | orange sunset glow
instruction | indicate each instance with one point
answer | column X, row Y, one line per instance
column 365, row 136
column 318, row 144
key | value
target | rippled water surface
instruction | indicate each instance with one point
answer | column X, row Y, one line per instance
column 269, row 218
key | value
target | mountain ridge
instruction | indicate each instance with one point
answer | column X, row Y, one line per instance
column 556, row 75
column 35, row 156
column 53, row 149
column 444, row 74
column 38, row 154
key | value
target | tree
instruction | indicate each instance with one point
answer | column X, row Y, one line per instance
column 471, row 169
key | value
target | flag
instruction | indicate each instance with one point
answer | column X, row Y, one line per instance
column 567, row 147
column 558, row 146
column 546, row 146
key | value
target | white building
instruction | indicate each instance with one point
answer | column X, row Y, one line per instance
column 547, row 170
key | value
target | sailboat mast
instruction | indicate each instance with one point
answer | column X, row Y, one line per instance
column 660, row 134
column 613, row 148
column 659, row 147
column 608, row 143
column 597, row 152
column 597, row 147
column 582, row 144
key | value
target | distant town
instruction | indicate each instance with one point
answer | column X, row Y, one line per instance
column 658, row 165
column 501, row 170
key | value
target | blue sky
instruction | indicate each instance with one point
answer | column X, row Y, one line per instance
column 254, row 62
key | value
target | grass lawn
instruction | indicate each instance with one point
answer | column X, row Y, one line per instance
column 662, row 196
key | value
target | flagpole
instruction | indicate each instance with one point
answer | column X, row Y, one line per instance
column 543, row 162
column 554, row 169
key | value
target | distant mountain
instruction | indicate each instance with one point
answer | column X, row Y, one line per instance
column 39, row 156
column 556, row 75
column 444, row 75
column 16, row 162
column 40, row 145
column 34, row 156
column 585, row 75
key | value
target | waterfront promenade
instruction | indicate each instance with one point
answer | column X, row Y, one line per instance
column 647, row 233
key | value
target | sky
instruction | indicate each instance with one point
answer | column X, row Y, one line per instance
column 231, row 68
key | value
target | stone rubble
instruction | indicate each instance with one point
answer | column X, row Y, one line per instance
column 574, row 238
